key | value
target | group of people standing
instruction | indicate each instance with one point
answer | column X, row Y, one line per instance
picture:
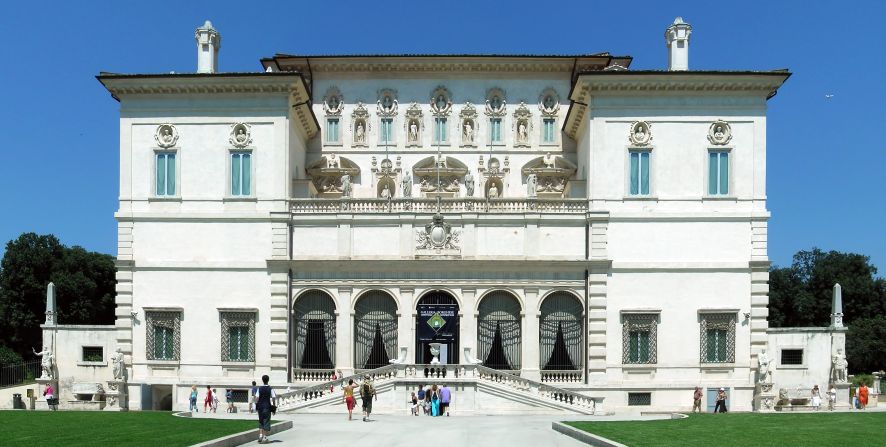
column 719, row 402
column 210, row 401
column 433, row 401
column 815, row 401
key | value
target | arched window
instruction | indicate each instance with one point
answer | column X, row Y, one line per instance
column 498, row 331
column 314, row 330
column 560, row 329
column 375, row 330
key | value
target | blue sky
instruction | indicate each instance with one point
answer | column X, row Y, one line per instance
column 826, row 157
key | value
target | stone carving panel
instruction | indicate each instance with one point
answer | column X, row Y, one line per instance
column 437, row 237
column 552, row 175
column 241, row 135
column 720, row 133
column 332, row 176
column 496, row 105
column 641, row 133
column 441, row 102
column 549, row 103
column 166, row 135
column 333, row 102
column 440, row 176
column 387, row 103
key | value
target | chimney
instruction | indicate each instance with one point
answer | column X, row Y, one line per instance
column 677, row 40
column 208, row 44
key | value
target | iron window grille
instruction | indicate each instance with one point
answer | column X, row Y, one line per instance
column 639, row 399
column 791, row 356
column 93, row 354
column 163, row 335
column 238, row 336
column 640, row 339
column 717, row 338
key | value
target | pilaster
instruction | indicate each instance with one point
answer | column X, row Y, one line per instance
column 124, row 301
column 597, row 300
column 406, row 323
column 344, row 323
column 278, row 321
column 468, row 323
column 530, row 361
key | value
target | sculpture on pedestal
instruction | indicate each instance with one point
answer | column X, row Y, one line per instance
column 119, row 369
column 46, row 362
column 406, row 185
column 469, row 184
column 839, row 366
column 765, row 369
column 531, row 185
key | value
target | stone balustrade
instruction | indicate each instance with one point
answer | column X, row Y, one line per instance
column 424, row 205
column 312, row 375
column 565, row 376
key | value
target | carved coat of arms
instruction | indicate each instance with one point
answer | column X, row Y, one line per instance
column 437, row 235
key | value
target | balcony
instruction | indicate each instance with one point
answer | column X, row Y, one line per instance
column 430, row 205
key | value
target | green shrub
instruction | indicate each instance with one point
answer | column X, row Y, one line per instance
column 9, row 357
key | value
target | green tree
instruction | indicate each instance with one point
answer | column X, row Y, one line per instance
column 84, row 288
column 801, row 295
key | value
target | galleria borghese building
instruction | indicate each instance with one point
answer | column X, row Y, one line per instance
column 540, row 232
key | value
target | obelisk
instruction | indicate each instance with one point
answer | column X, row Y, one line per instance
column 837, row 307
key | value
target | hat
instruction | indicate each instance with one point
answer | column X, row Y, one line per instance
column 722, row 389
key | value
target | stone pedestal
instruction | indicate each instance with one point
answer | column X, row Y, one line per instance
column 843, row 401
column 765, row 398
column 115, row 396
column 42, row 403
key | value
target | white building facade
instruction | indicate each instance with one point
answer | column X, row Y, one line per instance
column 563, row 219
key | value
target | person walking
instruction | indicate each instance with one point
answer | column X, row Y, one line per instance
column 426, row 405
column 832, row 397
column 214, row 400
column 192, row 405
column 252, row 397
column 862, row 396
column 207, row 401
column 265, row 405
column 435, row 401
column 348, row 397
column 421, row 397
column 445, row 399
column 367, row 394
column 696, row 400
column 816, row 398
column 720, row 406
column 229, row 397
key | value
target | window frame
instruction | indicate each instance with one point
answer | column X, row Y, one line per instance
column 445, row 127
column 725, row 320
column 640, row 149
column 392, row 141
column 782, row 365
column 501, row 139
column 237, row 318
column 229, row 191
column 339, row 140
column 555, row 141
column 171, row 319
column 639, row 321
column 730, row 172
column 155, row 166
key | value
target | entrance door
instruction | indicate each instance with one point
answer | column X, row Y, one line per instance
column 437, row 321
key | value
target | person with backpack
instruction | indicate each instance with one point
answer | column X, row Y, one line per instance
column 367, row 393
column 265, row 405
column 229, row 396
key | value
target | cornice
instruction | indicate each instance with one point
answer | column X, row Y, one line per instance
column 445, row 65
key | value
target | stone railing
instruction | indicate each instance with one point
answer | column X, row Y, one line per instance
column 578, row 402
column 564, row 376
column 312, row 375
column 460, row 205
column 290, row 400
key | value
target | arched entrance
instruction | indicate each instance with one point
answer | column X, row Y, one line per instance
column 560, row 329
column 375, row 330
column 436, row 321
column 314, row 330
column 499, row 339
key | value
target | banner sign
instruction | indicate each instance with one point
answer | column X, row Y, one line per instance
column 437, row 322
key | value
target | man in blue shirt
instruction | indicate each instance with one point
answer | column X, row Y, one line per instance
column 445, row 396
column 265, row 399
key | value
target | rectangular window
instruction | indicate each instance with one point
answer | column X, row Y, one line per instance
column 238, row 336
column 332, row 130
column 718, row 338
column 93, row 354
column 163, row 330
column 548, row 136
column 440, row 130
column 165, row 173
column 639, row 338
column 718, row 173
column 791, row 356
column 639, row 399
column 387, row 129
column 241, row 173
column 495, row 130
column 639, row 173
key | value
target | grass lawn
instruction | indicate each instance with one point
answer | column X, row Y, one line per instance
column 747, row 429
column 85, row 428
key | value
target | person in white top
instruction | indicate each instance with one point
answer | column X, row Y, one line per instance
column 832, row 397
column 816, row 398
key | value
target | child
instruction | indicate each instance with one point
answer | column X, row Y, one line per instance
column 414, row 404
column 214, row 400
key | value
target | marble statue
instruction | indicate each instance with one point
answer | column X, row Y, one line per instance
column 469, row 184
column 468, row 136
column 406, row 185
column 765, row 367
column 46, row 361
column 386, row 192
column 493, row 192
column 119, row 365
column 719, row 134
column 346, row 185
column 839, row 366
column 549, row 161
column 522, row 134
column 413, row 132
column 361, row 133
column 531, row 185
column 331, row 161
column 241, row 136
column 166, row 136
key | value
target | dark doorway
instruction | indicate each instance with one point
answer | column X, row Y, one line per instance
column 437, row 321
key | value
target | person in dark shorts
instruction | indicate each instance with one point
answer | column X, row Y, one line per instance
column 445, row 398
column 367, row 393
column 265, row 399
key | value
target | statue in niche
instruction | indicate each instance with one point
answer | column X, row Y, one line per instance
column 640, row 133
column 360, row 135
column 549, row 161
column 241, row 136
column 549, row 103
column 469, row 184
column 119, row 365
column 765, row 367
column 166, row 136
column 531, row 185
column 719, row 135
column 386, row 192
column 493, row 192
column 406, row 185
column 388, row 104
column 495, row 105
column 839, row 366
column 522, row 133
column 46, row 362
column 413, row 131
column 346, row 185
column 468, row 135
column 331, row 161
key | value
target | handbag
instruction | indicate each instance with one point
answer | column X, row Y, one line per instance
column 273, row 409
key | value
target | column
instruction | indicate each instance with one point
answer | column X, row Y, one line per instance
column 406, row 324
column 344, row 340
column 530, row 332
column 467, row 338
